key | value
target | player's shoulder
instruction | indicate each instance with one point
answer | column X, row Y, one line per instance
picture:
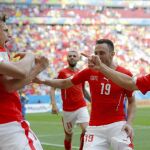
column 124, row 70
column 85, row 70
column 63, row 70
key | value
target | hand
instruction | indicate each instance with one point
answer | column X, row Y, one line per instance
column 94, row 61
column 54, row 109
column 129, row 130
column 37, row 80
column 42, row 61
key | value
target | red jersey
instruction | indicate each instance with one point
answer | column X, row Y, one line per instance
column 106, row 97
column 10, row 106
column 143, row 83
column 72, row 97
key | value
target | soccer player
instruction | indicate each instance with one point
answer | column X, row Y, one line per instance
column 108, row 126
column 74, row 105
column 15, row 133
column 141, row 83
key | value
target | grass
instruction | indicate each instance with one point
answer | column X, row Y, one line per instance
column 49, row 130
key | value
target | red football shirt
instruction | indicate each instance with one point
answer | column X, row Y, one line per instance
column 72, row 97
column 10, row 106
column 143, row 83
column 106, row 97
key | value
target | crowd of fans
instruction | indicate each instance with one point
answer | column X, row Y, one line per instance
column 78, row 11
column 132, row 43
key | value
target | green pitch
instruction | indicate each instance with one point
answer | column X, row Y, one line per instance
column 49, row 130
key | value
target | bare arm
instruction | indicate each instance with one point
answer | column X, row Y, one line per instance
column 11, row 70
column 131, row 109
column 121, row 79
column 18, row 70
column 131, row 114
column 56, row 83
column 26, row 62
column 53, row 101
column 16, row 84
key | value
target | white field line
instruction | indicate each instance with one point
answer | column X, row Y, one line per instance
column 57, row 145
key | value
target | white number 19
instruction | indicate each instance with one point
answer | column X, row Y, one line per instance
column 105, row 88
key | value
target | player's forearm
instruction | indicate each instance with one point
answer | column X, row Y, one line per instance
column 121, row 79
column 16, row 84
column 26, row 63
column 58, row 83
column 11, row 70
column 52, row 95
column 131, row 112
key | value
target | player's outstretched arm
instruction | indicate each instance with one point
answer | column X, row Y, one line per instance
column 121, row 79
column 56, row 83
column 16, row 84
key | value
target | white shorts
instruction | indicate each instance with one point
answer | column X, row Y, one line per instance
column 18, row 136
column 79, row 116
column 106, row 136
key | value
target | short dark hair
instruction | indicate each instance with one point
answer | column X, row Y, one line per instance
column 3, row 18
column 106, row 41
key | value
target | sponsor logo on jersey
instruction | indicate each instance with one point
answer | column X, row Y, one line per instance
column 106, row 79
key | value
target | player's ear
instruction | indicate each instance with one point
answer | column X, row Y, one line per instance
column 113, row 53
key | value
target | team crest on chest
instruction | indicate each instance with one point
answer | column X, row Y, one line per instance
column 94, row 78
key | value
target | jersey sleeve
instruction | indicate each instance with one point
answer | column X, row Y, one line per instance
column 60, row 75
column 80, row 77
column 143, row 83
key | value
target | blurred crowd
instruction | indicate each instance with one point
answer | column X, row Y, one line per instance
column 132, row 43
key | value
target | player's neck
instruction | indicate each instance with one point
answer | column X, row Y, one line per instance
column 113, row 66
column 72, row 68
